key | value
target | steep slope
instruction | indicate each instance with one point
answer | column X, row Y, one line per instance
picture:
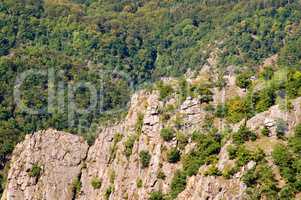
column 112, row 167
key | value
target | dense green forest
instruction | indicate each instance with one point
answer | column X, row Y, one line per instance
column 120, row 46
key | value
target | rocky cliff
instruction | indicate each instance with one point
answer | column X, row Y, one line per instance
column 54, row 165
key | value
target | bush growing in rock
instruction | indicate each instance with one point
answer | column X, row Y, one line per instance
column 182, row 140
column 144, row 158
column 76, row 186
column 232, row 151
column 164, row 90
column 243, row 80
column 156, row 196
column 173, row 155
column 161, row 175
column 243, row 134
column 265, row 131
column 221, row 111
column 178, row 183
column 139, row 183
column 167, row 134
column 108, row 192
column 96, row 183
column 212, row 171
column 35, row 171
column 129, row 144
column 281, row 128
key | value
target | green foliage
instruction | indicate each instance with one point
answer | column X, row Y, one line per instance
column 145, row 158
column 288, row 160
column 161, row 175
column 167, row 134
column 221, row 111
column 164, row 90
column 232, row 151
column 108, row 192
column 178, row 121
column 182, row 140
column 129, row 144
column 243, row 134
column 267, row 73
column 173, row 155
column 114, row 53
column 96, row 183
column 260, row 181
column 265, row 131
column 139, row 124
column 290, row 55
column 35, row 171
column 76, row 186
column 243, row 80
column 156, row 196
column 139, row 183
column 236, row 109
column 207, row 146
column 178, row 183
column 293, row 83
column 117, row 138
column 212, row 171
column 264, row 99
column 281, row 128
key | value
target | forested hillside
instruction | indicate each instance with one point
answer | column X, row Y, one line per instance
column 121, row 46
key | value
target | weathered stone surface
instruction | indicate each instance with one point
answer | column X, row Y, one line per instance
column 58, row 154
column 270, row 117
column 64, row 157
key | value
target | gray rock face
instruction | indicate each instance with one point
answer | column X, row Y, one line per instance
column 63, row 157
column 57, row 155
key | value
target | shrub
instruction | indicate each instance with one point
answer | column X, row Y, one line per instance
column 267, row 73
column 243, row 156
column 76, row 186
column 173, row 155
column 243, row 80
column 113, row 148
column 178, row 183
column 156, row 196
column 265, row 131
column 167, row 134
column 236, row 109
column 249, row 178
column 264, row 99
column 144, row 158
column 243, row 134
column 35, row 171
column 295, row 142
column 212, row 171
column 287, row 192
column 96, row 183
column 161, row 175
column 139, row 183
column 261, row 180
column 108, row 192
column 178, row 121
column 232, row 151
column 281, row 128
column 221, row 111
column 164, row 90
column 139, row 124
column 129, row 144
column 182, row 140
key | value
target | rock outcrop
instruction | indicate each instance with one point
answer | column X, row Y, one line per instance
column 45, row 165
column 66, row 167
